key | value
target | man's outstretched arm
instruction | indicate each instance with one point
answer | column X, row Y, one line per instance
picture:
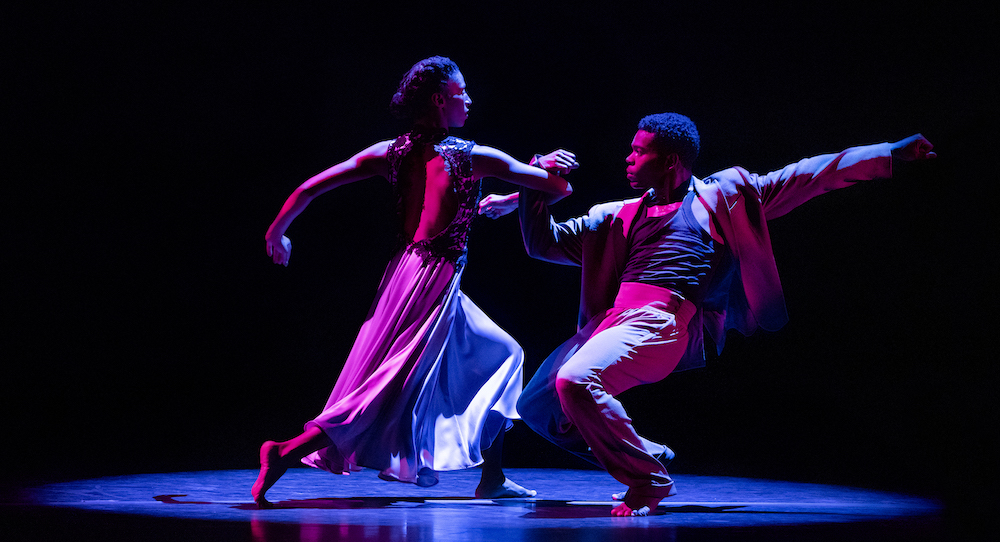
column 782, row 190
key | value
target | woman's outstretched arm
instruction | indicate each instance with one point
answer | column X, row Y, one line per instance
column 367, row 163
column 490, row 162
column 559, row 162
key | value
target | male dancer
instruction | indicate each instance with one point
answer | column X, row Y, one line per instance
column 689, row 254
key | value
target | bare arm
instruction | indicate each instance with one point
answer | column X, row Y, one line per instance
column 490, row 162
column 497, row 205
column 559, row 162
column 367, row 163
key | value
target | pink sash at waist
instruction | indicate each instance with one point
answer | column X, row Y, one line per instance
column 634, row 295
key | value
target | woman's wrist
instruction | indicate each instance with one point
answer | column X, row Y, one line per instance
column 272, row 234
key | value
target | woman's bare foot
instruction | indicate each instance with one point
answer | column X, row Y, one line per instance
column 504, row 490
column 271, row 468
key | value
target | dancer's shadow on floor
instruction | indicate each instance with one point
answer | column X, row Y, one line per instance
column 352, row 503
column 535, row 508
column 570, row 510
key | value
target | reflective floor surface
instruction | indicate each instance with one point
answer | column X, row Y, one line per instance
column 571, row 505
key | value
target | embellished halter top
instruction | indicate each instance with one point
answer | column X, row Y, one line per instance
column 451, row 243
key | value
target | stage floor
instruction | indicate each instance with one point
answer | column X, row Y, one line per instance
column 571, row 505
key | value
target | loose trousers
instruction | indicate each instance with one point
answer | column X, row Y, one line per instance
column 571, row 398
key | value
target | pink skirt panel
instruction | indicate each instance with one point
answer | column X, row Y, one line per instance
column 429, row 382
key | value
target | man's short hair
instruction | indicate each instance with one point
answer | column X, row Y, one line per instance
column 674, row 133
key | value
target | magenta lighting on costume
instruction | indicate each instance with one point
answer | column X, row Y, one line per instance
column 431, row 383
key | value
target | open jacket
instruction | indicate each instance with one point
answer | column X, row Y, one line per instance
column 747, row 294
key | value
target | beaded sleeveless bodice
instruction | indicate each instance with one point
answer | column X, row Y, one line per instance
column 451, row 242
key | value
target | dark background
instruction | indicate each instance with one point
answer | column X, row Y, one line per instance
column 148, row 146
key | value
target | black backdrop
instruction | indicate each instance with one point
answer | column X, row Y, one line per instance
column 149, row 146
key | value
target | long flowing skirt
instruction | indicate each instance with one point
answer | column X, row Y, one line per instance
column 429, row 382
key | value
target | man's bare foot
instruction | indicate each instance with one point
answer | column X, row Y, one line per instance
column 664, row 457
column 506, row 490
column 623, row 510
column 637, row 504
column 271, row 468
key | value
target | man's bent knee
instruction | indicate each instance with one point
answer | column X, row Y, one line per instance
column 575, row 389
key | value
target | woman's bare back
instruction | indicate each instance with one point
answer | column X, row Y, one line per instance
column 429, row 202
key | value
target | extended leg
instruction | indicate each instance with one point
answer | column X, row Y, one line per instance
column 276, row 457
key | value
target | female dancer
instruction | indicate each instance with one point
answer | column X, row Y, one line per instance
column 431, row 382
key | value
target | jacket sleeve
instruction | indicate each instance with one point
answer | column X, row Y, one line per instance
column 781, row 191
column 543, row 237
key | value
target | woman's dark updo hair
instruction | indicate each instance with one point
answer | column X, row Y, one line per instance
column 430, row 75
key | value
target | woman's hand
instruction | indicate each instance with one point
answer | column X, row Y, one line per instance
column 490, row 162
column 494, row 205
column 558, row 162
column 279, row 250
